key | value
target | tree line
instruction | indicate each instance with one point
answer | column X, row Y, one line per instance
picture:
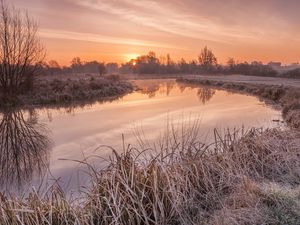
column 151, row 64
column 206, row 63
column 78, row 66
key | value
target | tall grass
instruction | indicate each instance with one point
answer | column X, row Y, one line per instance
column 243, row 177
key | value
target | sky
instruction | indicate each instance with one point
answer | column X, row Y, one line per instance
column 119, row 30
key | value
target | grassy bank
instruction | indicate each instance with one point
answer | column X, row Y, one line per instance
column 59, row 90
column 288, row 98
column 242, row 178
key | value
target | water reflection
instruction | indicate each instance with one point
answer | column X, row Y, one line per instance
column 24, row 145
column 153, row 88
column 77, row 131
column 205, row 94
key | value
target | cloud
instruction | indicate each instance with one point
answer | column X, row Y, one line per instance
column 235, row 27
column 172, row 20
column 96, row 38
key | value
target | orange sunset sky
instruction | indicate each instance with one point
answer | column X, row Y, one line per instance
column 118, row 30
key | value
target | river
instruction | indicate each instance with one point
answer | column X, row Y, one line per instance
column 47, row 144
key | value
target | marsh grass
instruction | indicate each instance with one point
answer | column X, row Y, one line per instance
column 66, row 90
column 243, row 177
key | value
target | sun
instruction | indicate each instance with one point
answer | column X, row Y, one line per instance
column 131, row 56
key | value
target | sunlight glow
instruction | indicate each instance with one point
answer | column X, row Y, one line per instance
column 130, row 56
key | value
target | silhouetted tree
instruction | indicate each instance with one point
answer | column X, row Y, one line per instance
column 253, row 69
column 53, row 64
column 207, row 59
column 76, row 64
column 147, row 64
column 20, row 51
column 231, row 63
column 53, row 67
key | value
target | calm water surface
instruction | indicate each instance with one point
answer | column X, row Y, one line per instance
column 43, row 144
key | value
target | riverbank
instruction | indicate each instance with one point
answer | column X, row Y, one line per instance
column 243, row 178
column 284, row 95
column 65, row 90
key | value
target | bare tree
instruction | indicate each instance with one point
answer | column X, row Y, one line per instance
column 21, row 51
column 207, row 59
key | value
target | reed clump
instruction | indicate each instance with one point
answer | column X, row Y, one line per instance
column 241, row 178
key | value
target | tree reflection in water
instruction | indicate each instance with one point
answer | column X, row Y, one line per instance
column 24, row 146
column 205, row 94
column 156, row 87
column 164, row 88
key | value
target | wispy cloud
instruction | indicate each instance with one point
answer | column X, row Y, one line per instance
column 96, row 38
column 244, row 29
column 169, row 20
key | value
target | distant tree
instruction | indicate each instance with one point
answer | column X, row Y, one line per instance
column 193, row 66
column 231, row 66
column 53, row 64
column 90, row 67
column 184, row 67
column 76, row 61
column 231, row 62
column 207, row 59
column 21, row 51
column 101, row 69
column 171, row 65
column 162, row 60
column 76, row 65
column 112, row 68
column 169, row 60
column 53, row 67
column 147, row 64
column 294, row 73
column 255, row 69
column 257, row 63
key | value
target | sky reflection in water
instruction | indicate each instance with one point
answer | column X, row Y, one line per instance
column 75, row 133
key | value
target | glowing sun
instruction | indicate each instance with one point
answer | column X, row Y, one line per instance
column 130, row 56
